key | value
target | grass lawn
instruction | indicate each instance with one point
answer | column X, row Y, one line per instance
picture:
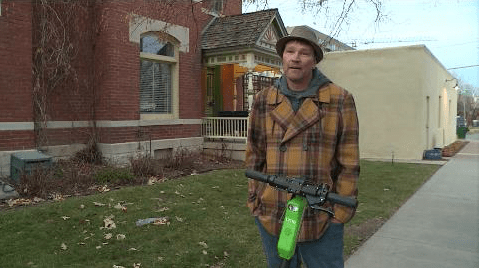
column 208, row 223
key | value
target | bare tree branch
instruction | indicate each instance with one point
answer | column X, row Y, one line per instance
column 323, row 9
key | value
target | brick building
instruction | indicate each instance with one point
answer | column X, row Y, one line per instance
column 125, row 74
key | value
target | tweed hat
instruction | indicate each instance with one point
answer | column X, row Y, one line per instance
column 305, row 34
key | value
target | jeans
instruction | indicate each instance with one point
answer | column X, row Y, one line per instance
column 326, row 252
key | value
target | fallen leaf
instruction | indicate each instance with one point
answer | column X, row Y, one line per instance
column 57, row 197
column 120, row 236
column 205, row 252
column 82, row 206
column 132, row 249
column 163, row 209
column 18, row 202
column 109, row 223
column 117, row 266
column 179, row 219
column 120, row 206
column 63, row 246
column 97, row 204
column 202, row 243
column 98, row 247
column 162, row 221
column 136, row 265
column 65, row 218
column 38, row 199
column 153, row 180
column 103, row 189
column 108, row 236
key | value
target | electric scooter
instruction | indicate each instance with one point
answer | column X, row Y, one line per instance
column 304, row 194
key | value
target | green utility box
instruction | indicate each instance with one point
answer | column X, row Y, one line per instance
column 27, row 162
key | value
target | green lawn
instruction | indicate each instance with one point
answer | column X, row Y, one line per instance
column 209, row 224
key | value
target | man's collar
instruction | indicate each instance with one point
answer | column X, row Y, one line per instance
column 276, row 97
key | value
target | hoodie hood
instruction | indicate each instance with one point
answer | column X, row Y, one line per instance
column 296, row 97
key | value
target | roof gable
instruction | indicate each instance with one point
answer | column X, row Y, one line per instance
column 261, row 28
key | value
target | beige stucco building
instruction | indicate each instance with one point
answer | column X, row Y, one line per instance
column 405, row 99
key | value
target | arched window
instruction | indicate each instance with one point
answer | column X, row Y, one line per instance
column 158, row 75
column 150, row 43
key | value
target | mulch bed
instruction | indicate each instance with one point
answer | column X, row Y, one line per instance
column 77, row 179
column 451, row 149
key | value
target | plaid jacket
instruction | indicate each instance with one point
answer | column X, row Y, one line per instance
column 319, row 141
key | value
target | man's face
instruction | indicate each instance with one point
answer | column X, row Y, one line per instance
column 298, row 62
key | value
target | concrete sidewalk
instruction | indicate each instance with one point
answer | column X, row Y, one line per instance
column 437, row 227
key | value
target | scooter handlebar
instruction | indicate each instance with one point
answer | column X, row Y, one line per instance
column 256, row 175
column 342, row 200
column 282, row 183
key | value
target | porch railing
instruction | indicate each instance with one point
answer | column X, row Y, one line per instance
column 225, row 127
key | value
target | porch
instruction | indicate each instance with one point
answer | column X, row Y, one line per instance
column 225, row 136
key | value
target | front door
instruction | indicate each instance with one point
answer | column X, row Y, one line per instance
column 214, row 102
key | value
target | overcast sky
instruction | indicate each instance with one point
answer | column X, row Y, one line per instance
column 448, row 28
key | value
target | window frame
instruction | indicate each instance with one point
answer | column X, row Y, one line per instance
column 174, row 63
column 217, row 6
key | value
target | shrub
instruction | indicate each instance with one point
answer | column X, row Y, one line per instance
column 145, row 165
column 182, row 158
column 36, row 183
column 90, row 154
column 113, row 175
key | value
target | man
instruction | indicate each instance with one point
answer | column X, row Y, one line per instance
column 303, row 126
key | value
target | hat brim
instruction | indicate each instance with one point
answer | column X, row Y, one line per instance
column 282, row 43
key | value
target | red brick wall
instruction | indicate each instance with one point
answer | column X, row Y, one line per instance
column 15, row 62
column 133, row 134
column 15, row 73
column 105, row 83
column 232, row 7
column 120, row 86
column 16, row 140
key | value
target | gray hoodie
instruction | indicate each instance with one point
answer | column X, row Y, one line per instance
column 296, row 97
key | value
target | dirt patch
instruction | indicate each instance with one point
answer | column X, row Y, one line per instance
column 363, row 231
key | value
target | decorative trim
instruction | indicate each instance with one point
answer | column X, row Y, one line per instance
column 140, row 24
column 17, row 126
column 6, row 126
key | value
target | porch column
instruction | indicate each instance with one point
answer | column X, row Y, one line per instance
column 250, row 90
column 250, row 65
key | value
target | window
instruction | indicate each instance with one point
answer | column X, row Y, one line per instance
column 217, row 6
column 158, row 75
column 155, row 87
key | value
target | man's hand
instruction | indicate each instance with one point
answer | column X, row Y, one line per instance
column 334, row 220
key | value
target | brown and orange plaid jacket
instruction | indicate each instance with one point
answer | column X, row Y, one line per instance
column 319, row 142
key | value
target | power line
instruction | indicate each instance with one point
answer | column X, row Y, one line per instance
column 462, row 67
